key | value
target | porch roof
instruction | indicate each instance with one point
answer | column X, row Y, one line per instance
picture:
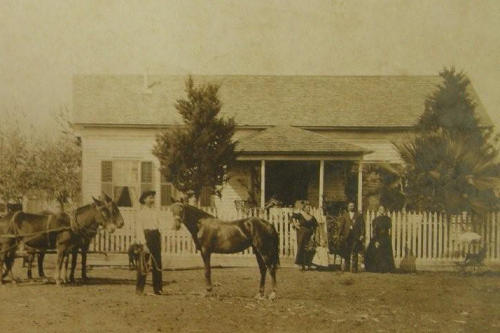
column 290, row 140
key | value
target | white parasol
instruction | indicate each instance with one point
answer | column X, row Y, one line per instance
column 469, row 236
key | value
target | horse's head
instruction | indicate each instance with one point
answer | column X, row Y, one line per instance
column 103, row 216
column 179, row 214
column 116, row 216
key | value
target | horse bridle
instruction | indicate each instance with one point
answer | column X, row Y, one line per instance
column 181, row 217
column 76, row 227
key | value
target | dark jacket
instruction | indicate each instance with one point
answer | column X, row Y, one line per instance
column 353, row 229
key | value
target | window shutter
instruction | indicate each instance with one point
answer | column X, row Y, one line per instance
column 107, row 177
column 146, row 176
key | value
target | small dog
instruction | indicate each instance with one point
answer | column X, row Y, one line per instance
column 475, row 259
column 133, row 255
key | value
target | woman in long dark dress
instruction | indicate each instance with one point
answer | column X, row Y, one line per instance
column 379, row 257
column 305, row 226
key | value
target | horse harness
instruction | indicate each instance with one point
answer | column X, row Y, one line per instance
column 19, row 237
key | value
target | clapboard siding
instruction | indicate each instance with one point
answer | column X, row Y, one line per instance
column 234, row 189
column 380, row 143
column 136, row 144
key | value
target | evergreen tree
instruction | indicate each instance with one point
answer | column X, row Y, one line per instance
column 450, row 165
column 198, row 154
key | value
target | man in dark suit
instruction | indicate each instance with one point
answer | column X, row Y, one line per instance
column 352, row 236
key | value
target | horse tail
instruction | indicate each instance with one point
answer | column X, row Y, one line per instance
column 275, row 246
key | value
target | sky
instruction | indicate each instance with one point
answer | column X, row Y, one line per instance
column 44, row 43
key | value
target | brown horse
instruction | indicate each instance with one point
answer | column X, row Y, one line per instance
column 82, row 242
column 212, row 235
column 58, row 231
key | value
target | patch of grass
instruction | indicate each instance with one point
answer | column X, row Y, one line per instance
column 347, row 282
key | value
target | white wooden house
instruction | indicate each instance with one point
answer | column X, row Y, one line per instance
column 294, row 131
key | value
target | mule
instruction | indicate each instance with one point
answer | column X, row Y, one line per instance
column 58, row 231
column 82, row 242
column 212, row 235
column 90, row 233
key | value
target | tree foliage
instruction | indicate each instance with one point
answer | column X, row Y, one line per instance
column 382, row 184
column 450, row 165
column 17, row 159
column 198, row 154
column 50, row 166
column 59, row 165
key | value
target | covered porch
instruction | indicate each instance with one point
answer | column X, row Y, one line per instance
column 284, row 165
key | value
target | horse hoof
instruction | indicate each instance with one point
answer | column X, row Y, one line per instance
column 272, row 296
column 209, row 293
column 259, row 296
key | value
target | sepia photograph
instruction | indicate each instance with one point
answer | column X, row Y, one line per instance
column 249, row 166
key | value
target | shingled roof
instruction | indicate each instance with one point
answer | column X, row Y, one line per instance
column 304, row 101
column 293, row 140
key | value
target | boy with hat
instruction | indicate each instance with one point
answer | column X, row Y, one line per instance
column 147, row 233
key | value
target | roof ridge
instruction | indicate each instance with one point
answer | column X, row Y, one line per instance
column 259, row 75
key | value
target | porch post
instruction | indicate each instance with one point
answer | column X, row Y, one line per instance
column 360, row 186
column 321, row 182
column 262, row 184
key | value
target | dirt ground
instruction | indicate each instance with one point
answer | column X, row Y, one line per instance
column 307, row 301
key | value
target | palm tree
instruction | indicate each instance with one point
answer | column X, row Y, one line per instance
column 445, row 174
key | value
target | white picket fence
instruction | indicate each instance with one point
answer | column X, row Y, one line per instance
column 431, row 238
column 435, row 238
column 179, row 243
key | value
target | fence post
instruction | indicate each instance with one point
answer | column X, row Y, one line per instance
column 367, row 221
column 432, row 222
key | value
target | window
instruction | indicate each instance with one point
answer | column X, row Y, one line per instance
column 120, row 180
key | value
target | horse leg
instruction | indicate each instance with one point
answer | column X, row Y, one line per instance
column 3, row 262
column 41, row 273
column 271, row 263
column 74, row 257
column 263, row 271
column 208, row 280
column 272, row 271
column 85, row 249
column 1, row 270
column 28, row 259
column 9, row 263
column 59, row 263
column 65, row 273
